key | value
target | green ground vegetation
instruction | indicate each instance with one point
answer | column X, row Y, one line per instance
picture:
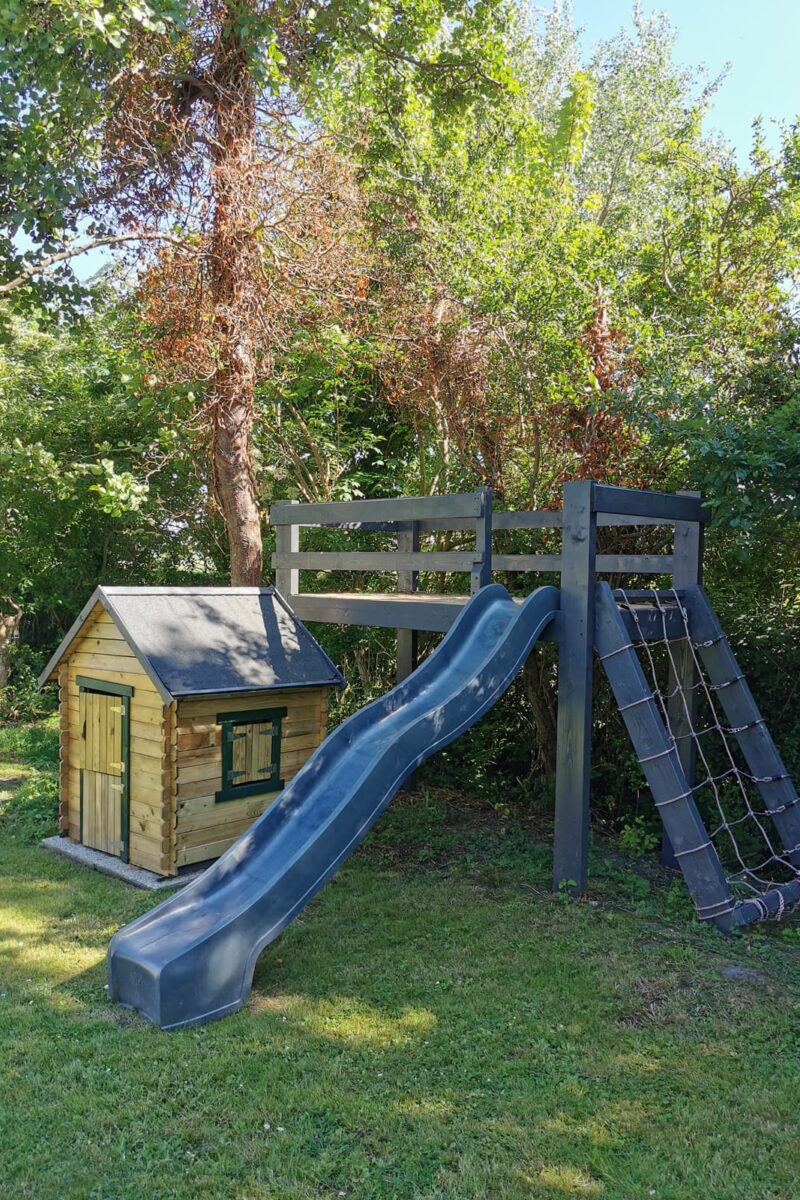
column 434, row 1025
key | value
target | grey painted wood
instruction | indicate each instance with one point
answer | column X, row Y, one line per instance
column 407, row 581
column 617, row 564
column 661, row 765
column 651, row 623
column 632, row 502
column 571, row 834
column 384, row 610
column 481, row 573
column 534, row 519
column 542, row 563
column 378, row 560
column 760, row 752
column 687, row 572
column 396, row 508
column 287, row 542
column 548, row 519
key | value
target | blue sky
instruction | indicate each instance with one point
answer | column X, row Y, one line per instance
column 760, row 39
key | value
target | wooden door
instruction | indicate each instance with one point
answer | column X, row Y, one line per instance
column 104, row 737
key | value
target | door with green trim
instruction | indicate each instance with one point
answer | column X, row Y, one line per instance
column 104, row 739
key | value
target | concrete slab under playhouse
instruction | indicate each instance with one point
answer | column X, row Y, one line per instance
column 109, row 864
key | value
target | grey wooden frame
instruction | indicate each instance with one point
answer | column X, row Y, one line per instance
column 587, row 506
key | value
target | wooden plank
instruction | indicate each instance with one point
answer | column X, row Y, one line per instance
column 682, row 705
column 153, row 859
column 533, row 519
column 193, row 709
column 111, row 647
column 527, row 562
column 287, row 542
column 481, row 572
column 203, row 754
column 148, row 811
column 547, row 519
column 196, row 816
column 147, row 747
column 206, row 770
column 632, row 502
column 98, row 665
column 392, row 510
column 407, row 581
column 186, row 857
column 385, row 610
column 571, row 832
column 380, row 560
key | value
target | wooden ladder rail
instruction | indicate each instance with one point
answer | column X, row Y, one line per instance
column 661, row 764
column 741, row 711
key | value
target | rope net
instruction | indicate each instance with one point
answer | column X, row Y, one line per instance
column 728, row 796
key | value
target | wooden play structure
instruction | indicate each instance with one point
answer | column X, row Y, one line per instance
column 409, row 521
column 184, row 711
column 730, row 812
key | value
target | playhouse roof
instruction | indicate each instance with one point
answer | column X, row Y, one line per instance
column 206, row 640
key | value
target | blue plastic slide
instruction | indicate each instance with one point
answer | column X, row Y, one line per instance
column 191, row 959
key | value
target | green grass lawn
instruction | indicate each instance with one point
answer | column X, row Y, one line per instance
column 434, row 1025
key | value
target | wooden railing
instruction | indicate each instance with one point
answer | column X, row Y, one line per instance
column 409, row 517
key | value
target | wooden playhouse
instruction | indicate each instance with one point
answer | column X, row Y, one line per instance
column 183, row 713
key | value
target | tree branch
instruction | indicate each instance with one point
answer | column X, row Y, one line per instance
column 30, row 271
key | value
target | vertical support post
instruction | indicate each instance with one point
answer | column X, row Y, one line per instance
column 687, row 571
column 481, row 573
column 573, row 760
column 407, row 581
column 287, row 541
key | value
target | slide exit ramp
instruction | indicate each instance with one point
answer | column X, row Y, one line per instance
column 192, row 958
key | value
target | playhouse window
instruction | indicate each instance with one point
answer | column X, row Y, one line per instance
column 251, row 752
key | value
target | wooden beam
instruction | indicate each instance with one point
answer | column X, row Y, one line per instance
column 481, row 573
column 378, row 560
column 287, row 543
column 615, row 564
column 394, row 509
column 632, row 502
column 682, row 706
column 571, row 834
column 407, row 581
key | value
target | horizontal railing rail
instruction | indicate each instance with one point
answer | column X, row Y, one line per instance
column 408, row 518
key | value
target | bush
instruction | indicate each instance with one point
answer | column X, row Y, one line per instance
column 31, row 812
column 20, row 699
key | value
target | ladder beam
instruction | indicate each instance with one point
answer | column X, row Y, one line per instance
column 742, row 713
column 661, row 764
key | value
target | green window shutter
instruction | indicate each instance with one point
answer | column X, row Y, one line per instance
column 244, row 772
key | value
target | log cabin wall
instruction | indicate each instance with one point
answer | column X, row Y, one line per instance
column 102, row 653
column 206, row 827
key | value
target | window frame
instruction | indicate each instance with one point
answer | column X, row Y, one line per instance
column 258, row 787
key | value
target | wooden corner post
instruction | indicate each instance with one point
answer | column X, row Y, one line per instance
column 573, row 759
column 287, row 541
column 481, row 573
column 687, row 571
column 407, row 581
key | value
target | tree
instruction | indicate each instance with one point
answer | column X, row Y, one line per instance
column 99, row 472
column 165, row 123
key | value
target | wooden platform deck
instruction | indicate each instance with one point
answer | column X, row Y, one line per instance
column 432, row 612
column 386, row 610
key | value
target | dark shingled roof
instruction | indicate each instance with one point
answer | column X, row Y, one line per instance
column 193, row 641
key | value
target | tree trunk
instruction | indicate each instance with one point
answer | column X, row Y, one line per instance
column 541, row 696
column 234, row 266
column 9, row 632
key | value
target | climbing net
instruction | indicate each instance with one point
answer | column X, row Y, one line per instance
column 730, row 798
